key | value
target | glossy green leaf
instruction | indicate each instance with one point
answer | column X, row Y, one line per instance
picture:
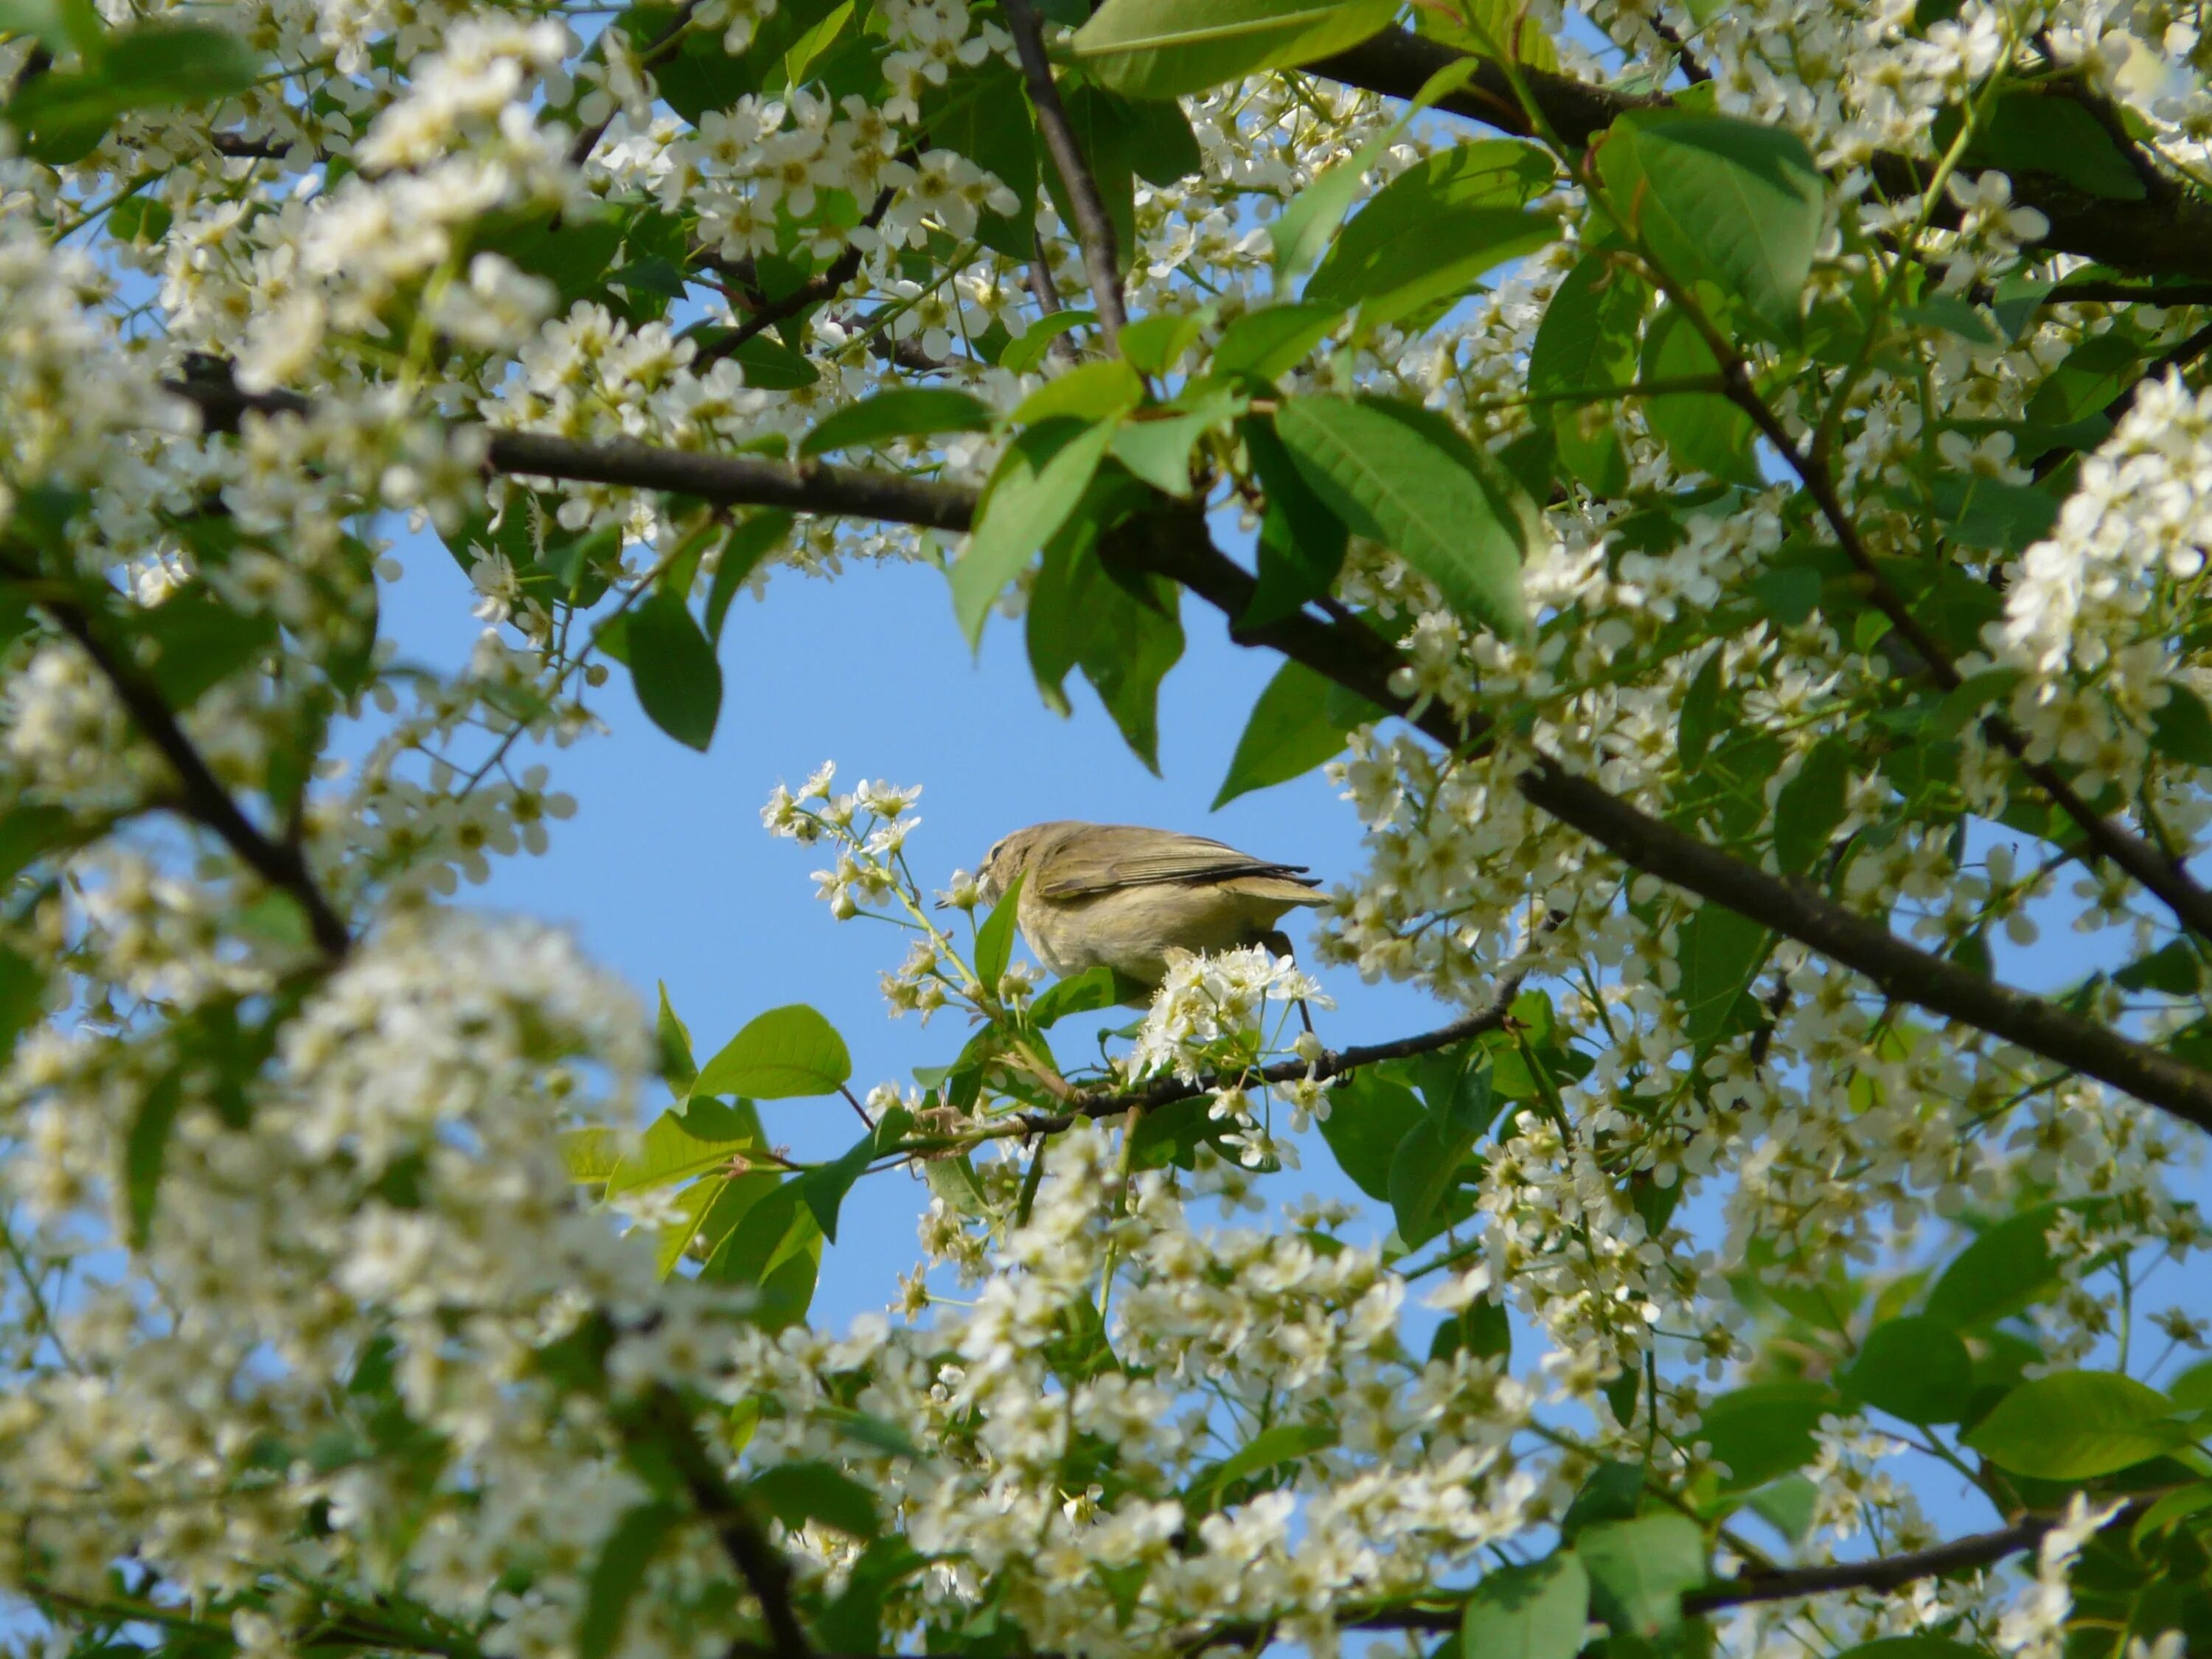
column 1156, row 344
column 2003, row 1271
column 1405, row 478
column 2181, row 728
column 903, row 412
column 1273, row 339
column 2072, row 1425
column 1125, row 635
column 1091, row 991
column 1766, row 1430
column 1425, row 1166
column 1035, row 488
column 1099, row 391
column 1585, row 344
column 674, row 1040
column 1024, row 355
column 1720, row 953
column 1285, row 1443
column 786, row 1051
column 1734, row 202
column 797, row 1493
column 1638, row 1569
column 823, row 1189
column 1535, row 1612
column 618, row 1574
column 1293, row 728
column 1915, row 1368
column 1163, row 48
column 1370, row 1117
column 1703, row 430
column 151, row 66
column 1444, row 213
column 1302, row 540
column 673, row 669
column 674, row 1148
column 590, row 1155
column 776, row 1247
column 146, row 1148
column 994, row 940
column 747, row 547
column 1809, row 808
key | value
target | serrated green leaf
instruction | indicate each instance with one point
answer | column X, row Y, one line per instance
column 1537, row 1612
column 2074, row 1425
column 1164, row 48
column 673, row 671
column 1293, row 728
column 1727, row 200
column 786, row 1051
column 1035, row 488
column 1403, row 478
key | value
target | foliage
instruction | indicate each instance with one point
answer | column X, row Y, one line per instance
column 1735, row 532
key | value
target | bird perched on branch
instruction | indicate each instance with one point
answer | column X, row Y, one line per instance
column 1128, row 898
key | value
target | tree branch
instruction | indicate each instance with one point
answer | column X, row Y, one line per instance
column 1101, row 258
column 1887, row 1572
column 824, row 286
column 758, row 1562
column 205, row 801
column 1174, row 542
column 2150, row 235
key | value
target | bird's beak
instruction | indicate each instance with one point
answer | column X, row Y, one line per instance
column 940, row 905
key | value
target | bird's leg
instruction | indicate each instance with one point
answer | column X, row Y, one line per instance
column 1278, row 943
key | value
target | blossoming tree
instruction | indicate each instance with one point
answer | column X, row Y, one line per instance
column 1725, row 488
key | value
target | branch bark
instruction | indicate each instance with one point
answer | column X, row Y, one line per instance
column 204, row 800
column 2152, row 235
column 1101, row 256
column 1175, row 543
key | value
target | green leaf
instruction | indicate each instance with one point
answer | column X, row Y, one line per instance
column 1405, row 478
column 776, row 1247
column 1125, row 635
column 823, row 1189
column 2181, row 728
column 1370, row 1117
column 1424, row 1166
column 1293, row 730
column 797, row 1493
column 1721, row 953
column 1810, row 807
column 619, row 1573
column 1766, row 1430
column 1611, row 1492
column 27, row 833
column 905, row 412
column 1087, row 993
column 147, row 1147
column 982, row 114
column 1268, row 342
column 191, row 642
column 1101, row 391
column 1913, row 1647
column 786, row 1051
column 676, row 1147
column 1730, row 201
column 2033, row 132
column 2003, row 1271
column 1156, row 344
column 749, row 545
column 1915, row 1368
column 1535, row 1612
column 674, row 1038
column 1437, row 226
column 994, row 940
column 1638, row 1569
column 154, row 65
column 1701, row 712
column 1303, row 228
column 1704, row 431
column 1024, row 354
column 2074, row 1425
column 673, row 671
column 1585, row 344
column 590, row 1155
column 1035, row 489
column 1302, row 541
column 1164, row 48
column 1287, row 1443
column 60, row 25
column 1787, row 1505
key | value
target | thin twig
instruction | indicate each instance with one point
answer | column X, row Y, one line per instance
column 1102, row 257
column 826, row 285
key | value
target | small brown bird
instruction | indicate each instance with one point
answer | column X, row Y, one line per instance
column 1128, row 898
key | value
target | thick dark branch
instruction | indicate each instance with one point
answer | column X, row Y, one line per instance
column 1101, row 256
column 2151, row 235
column 758, row 1562
column 1887, row 1572
column 1176, row 544
column 2167, row 879
column 205, row 801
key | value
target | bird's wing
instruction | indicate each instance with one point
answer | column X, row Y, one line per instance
column 1123, row 855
